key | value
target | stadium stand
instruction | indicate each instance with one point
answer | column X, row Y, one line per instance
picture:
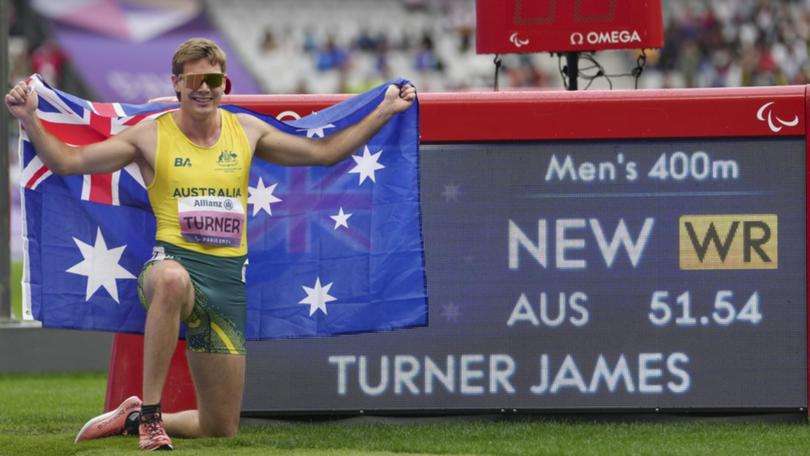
column 348, row 46
column 730, row 43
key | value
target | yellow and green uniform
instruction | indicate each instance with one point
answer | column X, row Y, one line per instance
column 199, row 197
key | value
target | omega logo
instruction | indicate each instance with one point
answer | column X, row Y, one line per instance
column 609, row 37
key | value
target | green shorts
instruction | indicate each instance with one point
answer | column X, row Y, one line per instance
column 217, row 321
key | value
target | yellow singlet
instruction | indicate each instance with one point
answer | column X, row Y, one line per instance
column 199, row 194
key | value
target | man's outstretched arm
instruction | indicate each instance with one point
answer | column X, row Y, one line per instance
column 285, row 149
column 103, row 157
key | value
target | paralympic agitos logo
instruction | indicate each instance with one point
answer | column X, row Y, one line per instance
column 775, row 123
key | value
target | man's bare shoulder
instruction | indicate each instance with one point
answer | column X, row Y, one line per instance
column 143, row 136
column 255, row 129
column 142, row 128
column 252, row 123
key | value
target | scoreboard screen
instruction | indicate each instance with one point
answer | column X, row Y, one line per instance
column 515, row 26
column 640, row 257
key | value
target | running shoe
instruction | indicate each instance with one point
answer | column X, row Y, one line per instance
column 153, row 435
column 110, row 423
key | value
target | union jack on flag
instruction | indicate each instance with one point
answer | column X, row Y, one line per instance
column 331, row 250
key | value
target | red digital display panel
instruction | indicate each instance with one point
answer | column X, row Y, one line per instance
column 514, row 26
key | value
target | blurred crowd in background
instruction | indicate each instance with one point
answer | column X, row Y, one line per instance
column 103, row 49
column 729, row 43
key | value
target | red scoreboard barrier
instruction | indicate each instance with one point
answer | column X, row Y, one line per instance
column 774, row 116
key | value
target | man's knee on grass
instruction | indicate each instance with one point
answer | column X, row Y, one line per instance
column 224, row 428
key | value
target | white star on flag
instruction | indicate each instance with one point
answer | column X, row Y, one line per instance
column 317, row 297
column 100, row 266
column 262, row 197
column 317, row 131
column 341, row 219
column 366, row 165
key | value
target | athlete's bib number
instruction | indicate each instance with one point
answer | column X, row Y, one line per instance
column 214, row 220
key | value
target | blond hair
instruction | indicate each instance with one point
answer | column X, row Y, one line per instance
column 197, row 49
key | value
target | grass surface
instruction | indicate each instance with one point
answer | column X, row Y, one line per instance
column 41, row 414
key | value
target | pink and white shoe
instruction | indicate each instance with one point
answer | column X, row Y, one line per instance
column 110, row 423
column 153, row 435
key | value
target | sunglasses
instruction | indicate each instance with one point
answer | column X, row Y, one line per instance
column 213, row 80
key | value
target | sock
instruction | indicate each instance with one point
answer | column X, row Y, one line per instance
column 150, row 411
column 132, row 422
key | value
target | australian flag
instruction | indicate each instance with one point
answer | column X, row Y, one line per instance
column 332, row 250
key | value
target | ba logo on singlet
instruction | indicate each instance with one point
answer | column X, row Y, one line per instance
column 180, row 162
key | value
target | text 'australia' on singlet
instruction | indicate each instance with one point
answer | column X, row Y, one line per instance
column 199, row 194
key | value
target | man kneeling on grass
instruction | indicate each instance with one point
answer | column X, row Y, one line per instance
column 195, row 273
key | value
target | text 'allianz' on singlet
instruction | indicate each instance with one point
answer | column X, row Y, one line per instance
column 199, row 194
